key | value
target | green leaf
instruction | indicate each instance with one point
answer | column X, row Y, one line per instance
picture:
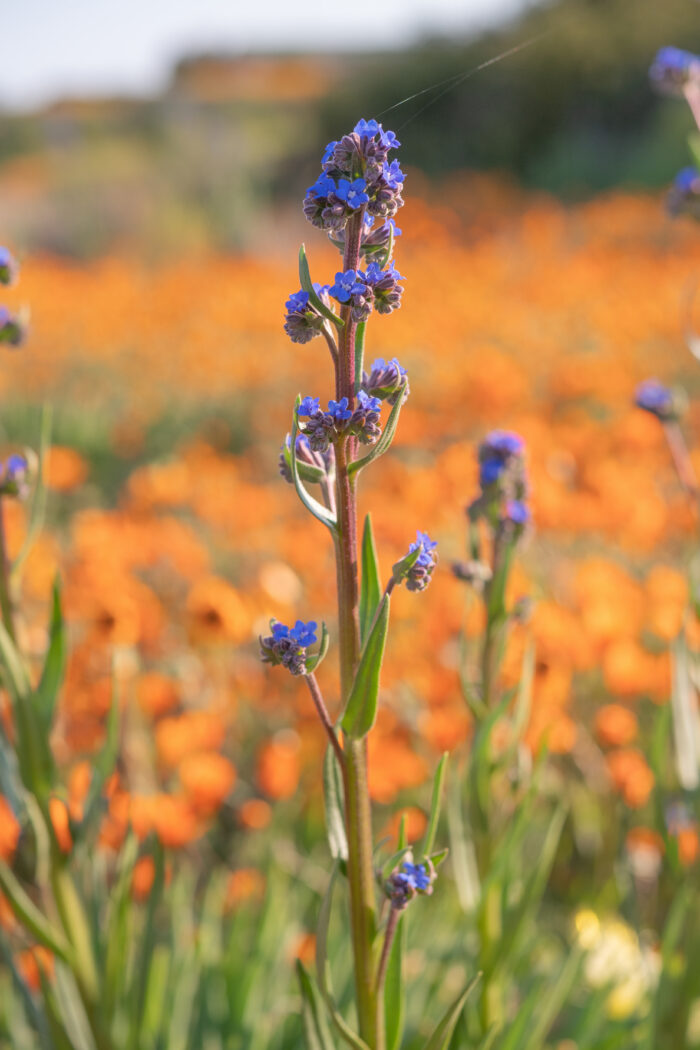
column 51, row 680
column 394, row 989
column 72, row 1009
column 104, row 765
column 29, row 915
column 549, row 1005
column 370, row 586
column 435, row 805
column 312, row 662
column 137, row 997
column 523, row 702
column 686, row 724
column 440, row 1038
column 462, row 851
column 361, row 710
column 384, row 442
column 312, row 505
column 312, row 1013
column 694, row 146
column 323, row 969
column 308, row 286
column 37, row 511
column 333, row 804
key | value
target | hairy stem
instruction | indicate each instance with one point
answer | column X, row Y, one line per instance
column 358, row 815
column 322, row 710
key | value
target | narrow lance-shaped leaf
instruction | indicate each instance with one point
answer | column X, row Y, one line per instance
column 384, row 441
column 361, row 711
column 29, row 915
column 312, row 505
column 308, row 286
column 435, row 806
column 440, row 1038
column 686, row 726
column 37, row 511
column 333, row 802
column 395, row 990
column 370, row 586
column 51, row 680
column 323, row 969
column 313, row 1013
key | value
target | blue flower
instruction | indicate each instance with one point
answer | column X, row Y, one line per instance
column 427, row 546
column 684, row 194
column 388, row 139
column 308, row 406
column 393, row 175
column 304, row 633
column 12, row 331
column 387, row 380
column 328, row 152
column 654, row 397
column 367, row 403
column 418, row 875
column 8, row 266
column 346, row 285
column 490, row 471
column 353, row 193
column 287, row 645
column 673, row 68
column 14, row 477
column 339, row 410
column 503, row 443
column 366, row 129
column 517, row 512
column 419, row 574
column 323, row 185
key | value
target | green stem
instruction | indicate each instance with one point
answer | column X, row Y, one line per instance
column 5, row 598
column 490, row 931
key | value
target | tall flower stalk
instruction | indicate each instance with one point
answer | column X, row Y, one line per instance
column 354, row 201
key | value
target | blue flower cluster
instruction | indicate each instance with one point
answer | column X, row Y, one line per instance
column 654, row 397
column 503, row 481
column 419, row 574
column 287, row 645
column 8, row 267
column 303, row 321
column 12, row 330
column 14, row 475
column 672, row 69
column 387, row 380
column 407, row 881
column 356, row 173
column 364, row 291
column 323, row 428
column 684, row 195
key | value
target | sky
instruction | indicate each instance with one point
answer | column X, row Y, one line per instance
column 53, row 48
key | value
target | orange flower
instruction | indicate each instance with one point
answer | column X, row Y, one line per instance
column 64, row 469
column 156, row 694
column 78, row 787
column 278, row 766
column 142, row 878
column 631, row 776
column 416, row 822
column 206, row 778
column 216, row 612
column 34, row 961
column 688, row 845
column 9, row 830
column 255, row 814
column 188, row 733
column 615, row 726
column 60, row 821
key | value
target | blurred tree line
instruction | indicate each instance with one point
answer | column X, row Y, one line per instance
column 228, row 149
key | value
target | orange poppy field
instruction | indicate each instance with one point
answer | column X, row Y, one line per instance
column 175, row 538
